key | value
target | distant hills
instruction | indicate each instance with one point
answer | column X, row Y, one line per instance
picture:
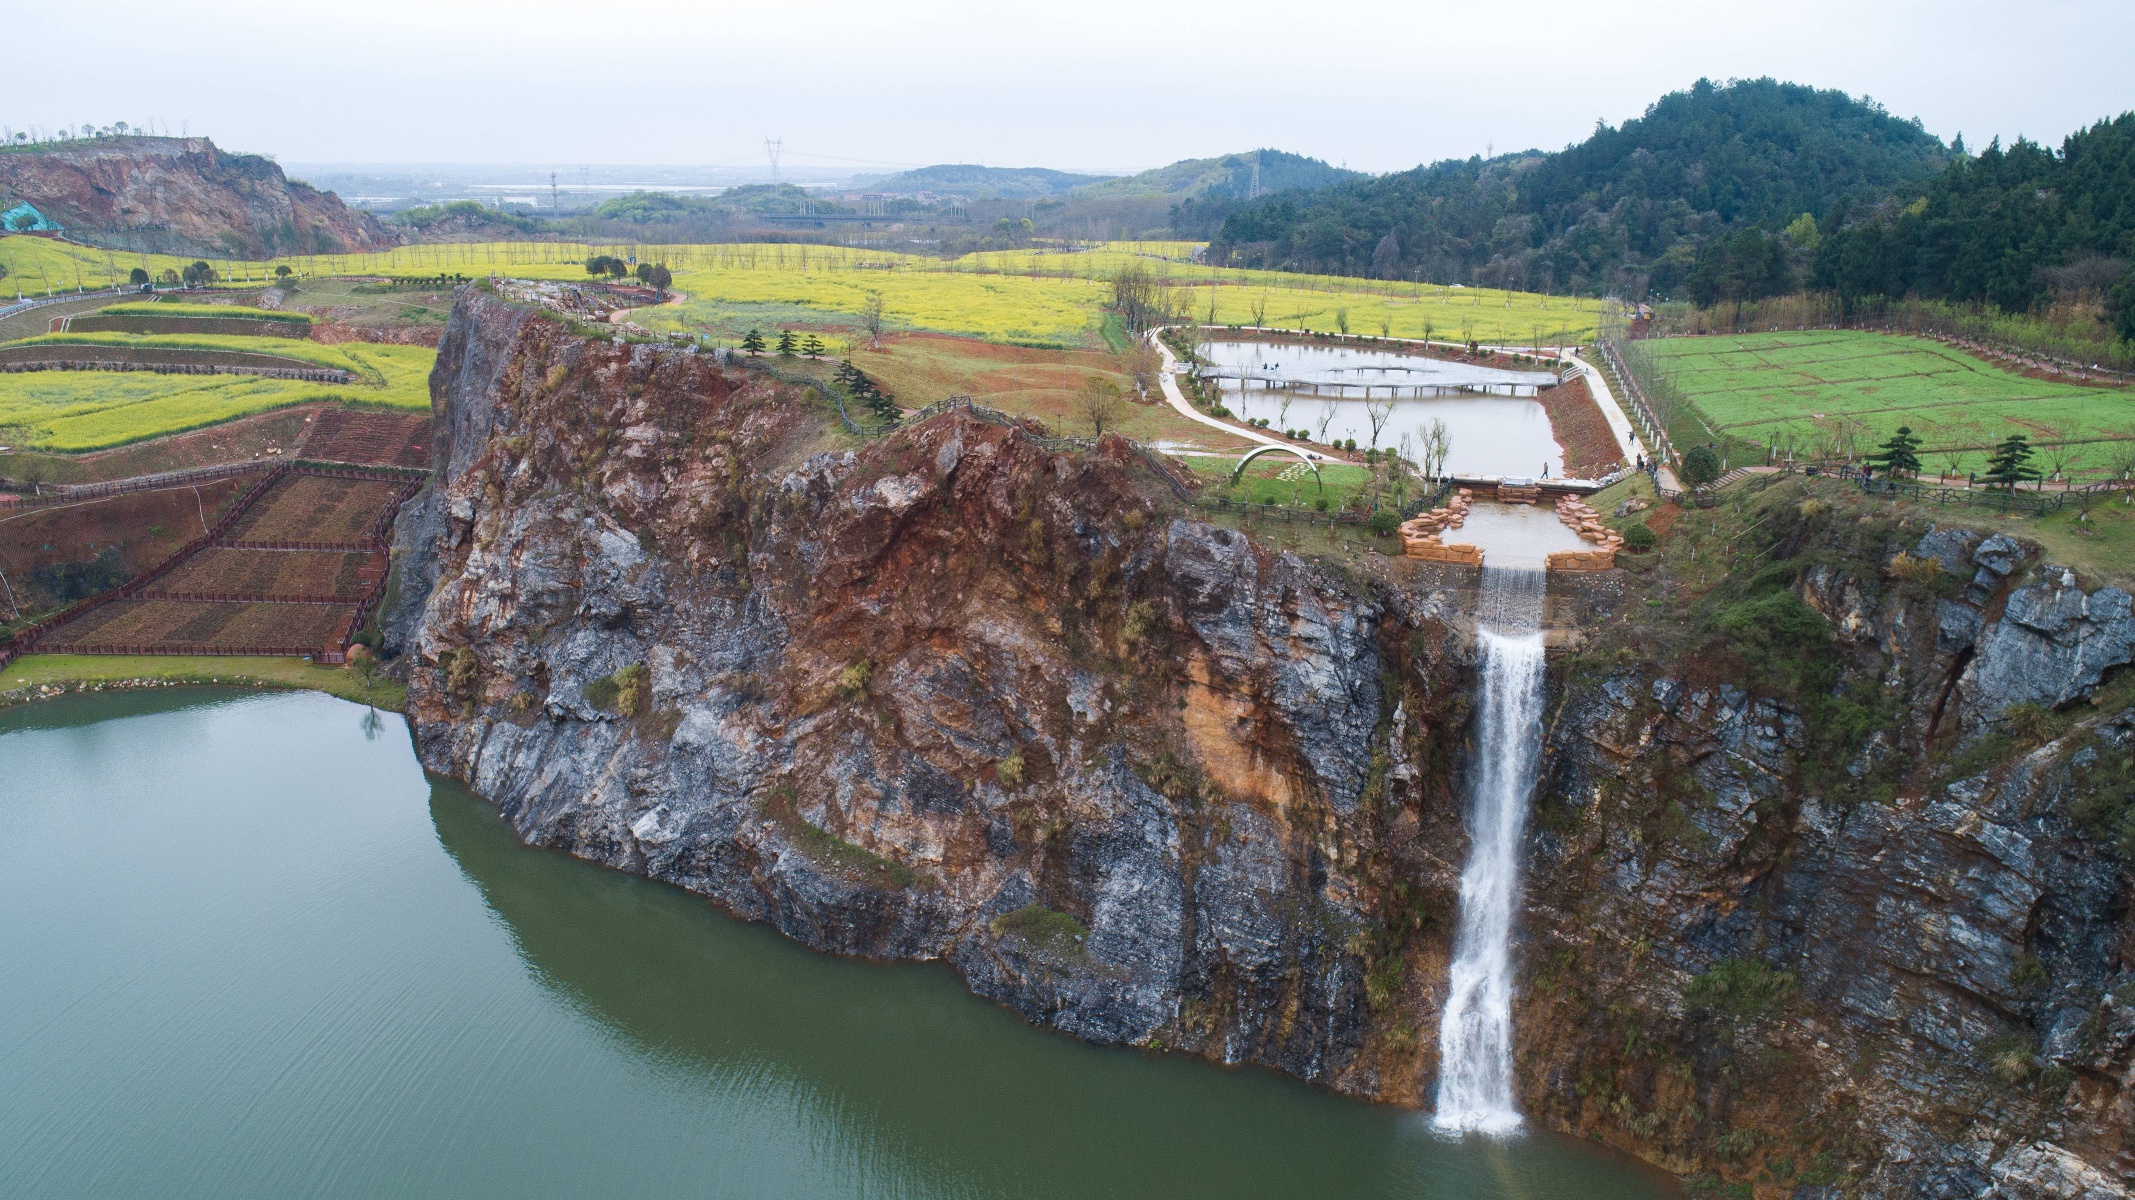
column 181, row 196
column 973, row 182
column 1625, row 210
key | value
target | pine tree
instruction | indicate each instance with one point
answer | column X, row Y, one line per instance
column 786, row 343
column 813, row 347
column 2009, row 464
column 1899, row 454
column 753, row 342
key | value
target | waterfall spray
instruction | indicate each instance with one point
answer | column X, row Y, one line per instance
column 1475, row 1033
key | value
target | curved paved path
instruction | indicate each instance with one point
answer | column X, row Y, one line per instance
column 1178, row 401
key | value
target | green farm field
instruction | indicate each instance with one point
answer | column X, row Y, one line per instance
column 1807, row 389
column 93, row 410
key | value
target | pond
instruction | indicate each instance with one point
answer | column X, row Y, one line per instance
column 253, row 951
column 1491, row 434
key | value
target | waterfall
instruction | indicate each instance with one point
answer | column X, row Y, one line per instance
column 1475, row 1034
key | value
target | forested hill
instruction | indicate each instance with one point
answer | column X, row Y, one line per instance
column 1620, row 211
column 2011, row 227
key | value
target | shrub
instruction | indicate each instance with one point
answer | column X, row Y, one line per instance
column 1042, row 927
column 2031, row 724
column 1638, row 537
column 462, row 671
column 633, row 690
column 1010, row 770
column 1700, row 466
column 1778, row 638
column 601, row 693
column 1384, row 522
column 1921, row 571
column 1320, row 504
column 1741, row 988
column 2009, row 1056
column 853, row 680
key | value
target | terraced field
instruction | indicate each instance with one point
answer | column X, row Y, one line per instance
column 387, row 439
column 165, row 626
column 346, row 576
column 236, row 596
column 1807, row 389
column 312, row 508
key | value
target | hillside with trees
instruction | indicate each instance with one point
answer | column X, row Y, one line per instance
column 1626, row 210
column 2024, row 229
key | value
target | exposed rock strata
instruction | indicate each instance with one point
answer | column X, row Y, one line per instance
column 951, row 695
column 185, row 196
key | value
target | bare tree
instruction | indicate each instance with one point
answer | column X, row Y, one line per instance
column 1341, row 320
column 1398, row 467
column 1437, row 444
column 1378, row 412
column 1260, row 308
column 1101, row 404
column 1282, row 409
column 871, row 316
column 1142, row 300
column 2121, row 458
column 2059, row 457
column 1327, row 411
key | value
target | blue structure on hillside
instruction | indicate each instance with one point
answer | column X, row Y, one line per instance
column 24, row 218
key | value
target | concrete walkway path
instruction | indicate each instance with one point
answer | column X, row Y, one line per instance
column 1178, row 401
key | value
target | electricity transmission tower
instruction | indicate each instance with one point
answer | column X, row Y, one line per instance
column 772, row 147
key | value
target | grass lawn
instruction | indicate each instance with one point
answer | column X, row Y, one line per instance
column 920, row 368
column 1281, row 479
column 56, row 670
column 1812, row 387
column 92, row 410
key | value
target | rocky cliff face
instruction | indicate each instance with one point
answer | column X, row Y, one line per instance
column 185, row 196
column 954, row 695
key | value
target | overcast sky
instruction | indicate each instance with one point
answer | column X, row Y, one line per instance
column 1102, row 84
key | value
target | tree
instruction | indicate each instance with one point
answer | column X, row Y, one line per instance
column 1437, row 444
column 169, row 276
column 282, row 271
column 1142, row 301
column 871, row 315
column 1900, row 454
column 1700, row 466
column 787, row 343
column 1327, row 412
column 1378, row 412
column 752, row 342
column 660, row 277
column 813, row 347
column 1101, row 404
column 2010, row 462
column 198, row 274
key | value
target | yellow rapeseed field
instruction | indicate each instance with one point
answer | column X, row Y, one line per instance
column 1039, row 295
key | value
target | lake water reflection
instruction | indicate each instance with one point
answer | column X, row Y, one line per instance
column 253, row 951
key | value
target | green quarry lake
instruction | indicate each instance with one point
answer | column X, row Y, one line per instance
column 253, row 951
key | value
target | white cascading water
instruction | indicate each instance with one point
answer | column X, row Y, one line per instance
column 1475, row 1034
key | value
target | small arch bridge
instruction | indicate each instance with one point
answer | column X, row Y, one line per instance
column 1257, row 451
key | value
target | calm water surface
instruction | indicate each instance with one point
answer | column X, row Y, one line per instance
column 1492, row 435
column 252, row 951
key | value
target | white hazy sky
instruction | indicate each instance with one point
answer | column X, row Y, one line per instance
column 1092, row 84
